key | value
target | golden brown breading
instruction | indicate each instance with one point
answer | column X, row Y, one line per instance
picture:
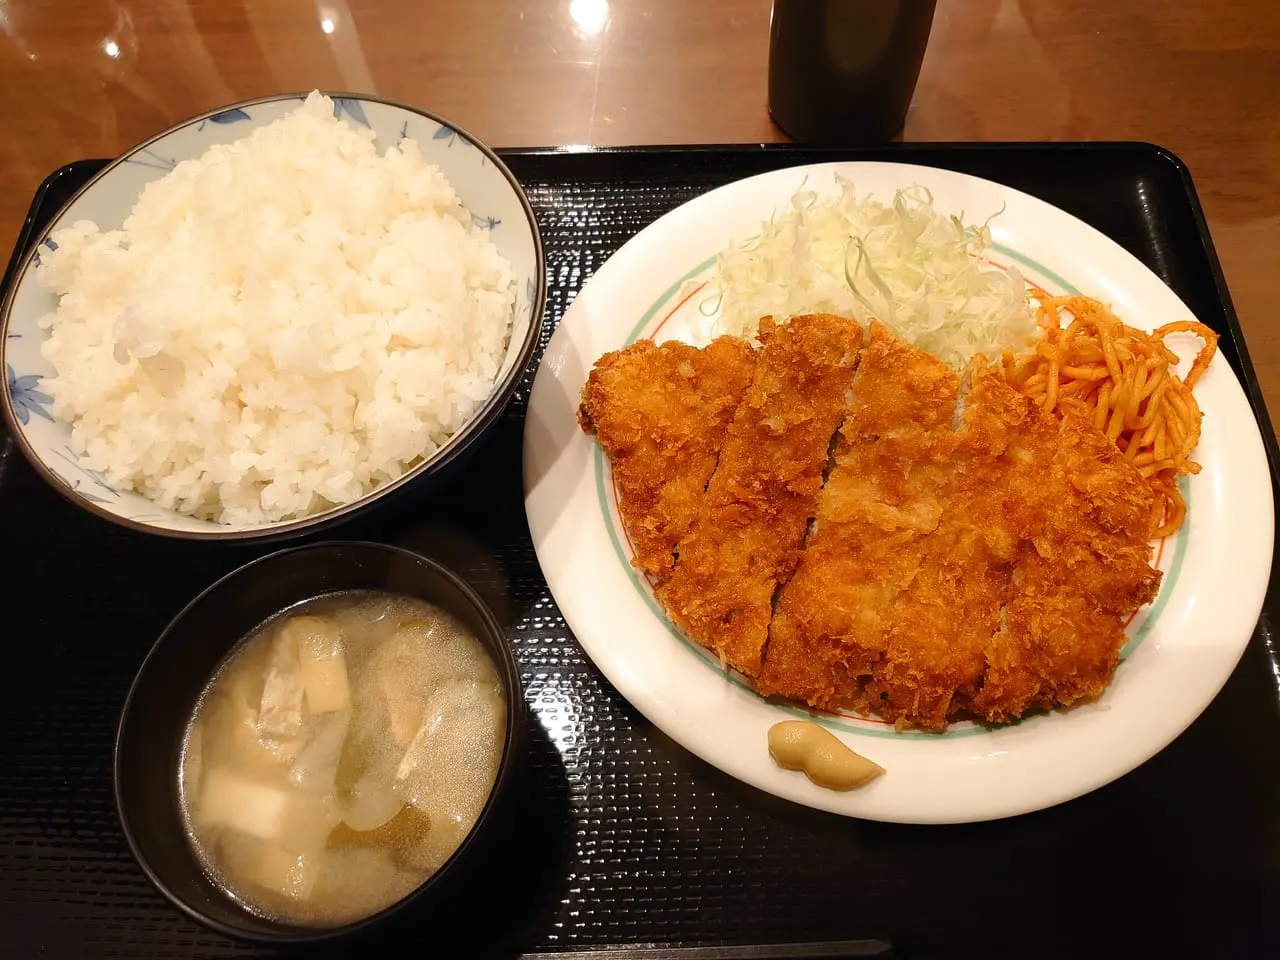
column 978, row 572
column 857, row 594
column 751, row 527
column 945, row 566
column 660, row 415
column 1055, row 647
column 1080, row 516
column 1040, row 554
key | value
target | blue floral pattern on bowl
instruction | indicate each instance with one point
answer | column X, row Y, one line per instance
column 148, row 158
column 24, row 396
column 350, row 107
column 226, row 116
column 496, row 205
column 91, row 476
column 46, row 244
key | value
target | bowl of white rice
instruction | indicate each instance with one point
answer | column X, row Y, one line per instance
column 272, row 317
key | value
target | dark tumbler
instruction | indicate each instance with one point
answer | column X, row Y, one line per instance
column 843, row 71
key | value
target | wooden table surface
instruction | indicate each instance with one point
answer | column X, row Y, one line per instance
column 88, row 78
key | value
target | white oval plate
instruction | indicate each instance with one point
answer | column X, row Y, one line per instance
column 1181, row 649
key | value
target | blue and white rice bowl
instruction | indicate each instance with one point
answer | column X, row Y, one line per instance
column 485, row 187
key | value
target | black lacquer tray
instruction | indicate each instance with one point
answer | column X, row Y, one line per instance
column 625, row 840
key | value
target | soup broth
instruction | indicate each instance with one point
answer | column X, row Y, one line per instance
column 340, row 755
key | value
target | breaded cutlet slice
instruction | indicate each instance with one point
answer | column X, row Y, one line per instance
column 986, row 571
column 1080, row 515
column 752, row 522
column 1055, row 648
column 660, row 413
column 1041, row 553
column 936, row 639
column 863, row 591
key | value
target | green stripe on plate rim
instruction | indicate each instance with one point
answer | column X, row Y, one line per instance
column 1175, row 564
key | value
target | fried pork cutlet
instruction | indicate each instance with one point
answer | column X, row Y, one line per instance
column 1081, row 518
column 982, row 572
column 660, row 414
column 884, row 583
column 752, row 522
column 960, row 564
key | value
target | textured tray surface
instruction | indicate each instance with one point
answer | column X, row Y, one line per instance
column 625, row 838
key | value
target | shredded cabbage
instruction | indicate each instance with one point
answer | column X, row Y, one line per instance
column 920, row 273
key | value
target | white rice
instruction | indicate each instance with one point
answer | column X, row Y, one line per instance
column 283, row 324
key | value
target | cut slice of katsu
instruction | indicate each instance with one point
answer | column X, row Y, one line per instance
column 875, row 584
column 985, row 571
column 660, row 413
column 752, row 522
column 1045, row 531
column 1080, row 515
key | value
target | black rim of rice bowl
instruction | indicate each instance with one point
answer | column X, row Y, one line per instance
column 133, row 801
column 458, row 443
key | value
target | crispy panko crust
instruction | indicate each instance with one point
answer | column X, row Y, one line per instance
column 660, row 413
column 750, row 530
column 1081, row 517
column 969, row 556
column 885, row 588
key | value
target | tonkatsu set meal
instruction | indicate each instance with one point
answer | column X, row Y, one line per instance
column 905, row 483
column 887, row 483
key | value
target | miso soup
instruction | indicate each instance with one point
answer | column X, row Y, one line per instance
column 340, row 755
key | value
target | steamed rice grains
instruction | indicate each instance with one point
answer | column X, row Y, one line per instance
column 282, row 325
